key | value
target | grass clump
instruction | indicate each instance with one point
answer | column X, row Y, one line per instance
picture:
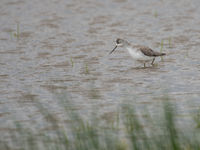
column 72, row 62
column 161, row 46
column 17, row 33
column 169, row 42
column 155, row 14
column 129, row 131
column 86, row 69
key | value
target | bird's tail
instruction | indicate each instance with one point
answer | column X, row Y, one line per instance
column 162, row 54
column 159, row 54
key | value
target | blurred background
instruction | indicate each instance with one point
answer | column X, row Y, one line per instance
column 53, row 52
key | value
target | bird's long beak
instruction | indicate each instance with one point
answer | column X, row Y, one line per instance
column 113, row 49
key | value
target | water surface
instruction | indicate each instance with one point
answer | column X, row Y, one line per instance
column 60, row 48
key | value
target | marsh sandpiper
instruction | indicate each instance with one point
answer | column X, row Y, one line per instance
column 140, row 53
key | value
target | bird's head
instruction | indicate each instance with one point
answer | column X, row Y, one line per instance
column 120, row 43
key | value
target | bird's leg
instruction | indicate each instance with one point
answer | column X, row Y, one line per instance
column 144, row 65
column 153, row 61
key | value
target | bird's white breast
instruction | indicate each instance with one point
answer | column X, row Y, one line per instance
column 135, row 53
column 138, row 55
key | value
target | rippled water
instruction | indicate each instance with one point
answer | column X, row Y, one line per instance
column 58, row 47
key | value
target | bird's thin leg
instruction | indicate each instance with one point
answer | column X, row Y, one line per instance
column 144, row 65
column 152, row 61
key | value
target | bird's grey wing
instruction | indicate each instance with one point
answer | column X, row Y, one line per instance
column 149, row 52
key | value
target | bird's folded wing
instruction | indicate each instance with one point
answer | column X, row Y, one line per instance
column 149, row 52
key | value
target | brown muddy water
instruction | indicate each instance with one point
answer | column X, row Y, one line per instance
column 59, row 48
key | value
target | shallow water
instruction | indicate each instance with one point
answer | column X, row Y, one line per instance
column 59, row 48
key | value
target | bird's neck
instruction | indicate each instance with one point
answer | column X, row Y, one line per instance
column 130, row 48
